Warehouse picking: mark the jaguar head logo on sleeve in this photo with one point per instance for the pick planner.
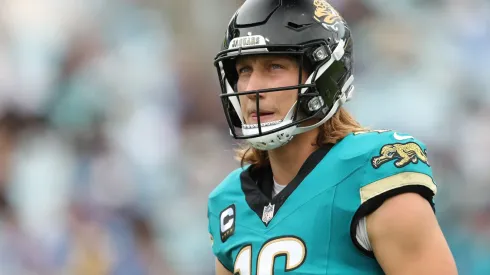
(403, 154)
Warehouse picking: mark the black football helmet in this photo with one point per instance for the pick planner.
(310, 30)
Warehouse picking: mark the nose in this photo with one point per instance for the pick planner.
(256, 82)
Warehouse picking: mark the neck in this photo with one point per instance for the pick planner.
(286, 161)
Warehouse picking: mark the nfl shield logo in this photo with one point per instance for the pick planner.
(268, 213)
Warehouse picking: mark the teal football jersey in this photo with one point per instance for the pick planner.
(310, 226)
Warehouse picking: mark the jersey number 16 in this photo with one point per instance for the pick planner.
(291, 247)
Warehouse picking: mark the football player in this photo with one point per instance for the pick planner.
(316, 192)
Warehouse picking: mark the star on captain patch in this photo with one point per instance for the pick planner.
(268, 213)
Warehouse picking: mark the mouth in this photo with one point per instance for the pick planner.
(265, 116)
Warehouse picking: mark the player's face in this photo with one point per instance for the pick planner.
(263, 72)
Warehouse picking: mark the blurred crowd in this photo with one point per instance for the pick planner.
(112, 134)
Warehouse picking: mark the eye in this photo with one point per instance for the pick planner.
(275, 66)
(244, 70)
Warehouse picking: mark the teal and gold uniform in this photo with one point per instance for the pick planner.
(310, 226)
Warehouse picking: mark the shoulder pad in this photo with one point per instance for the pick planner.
(395, 160)
(224, 191)
(359, 144)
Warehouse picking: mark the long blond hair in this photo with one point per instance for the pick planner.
(336, 128)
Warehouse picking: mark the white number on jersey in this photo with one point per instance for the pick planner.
(293, 248)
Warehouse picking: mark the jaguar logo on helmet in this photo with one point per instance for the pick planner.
(326, 14)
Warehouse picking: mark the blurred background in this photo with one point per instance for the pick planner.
(112, 134)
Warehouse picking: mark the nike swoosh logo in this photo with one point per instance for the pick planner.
(398, 137)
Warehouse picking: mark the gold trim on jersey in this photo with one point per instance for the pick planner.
(396, 181)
